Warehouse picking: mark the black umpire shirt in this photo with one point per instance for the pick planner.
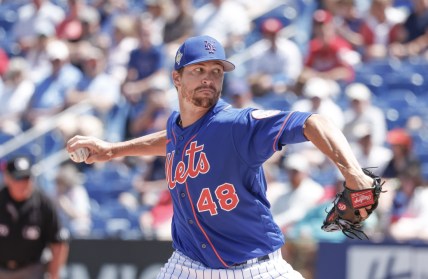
(26, 228)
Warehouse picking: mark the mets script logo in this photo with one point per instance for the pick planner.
(190, 166)
(210, 46)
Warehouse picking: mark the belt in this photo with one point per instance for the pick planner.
(255, 260)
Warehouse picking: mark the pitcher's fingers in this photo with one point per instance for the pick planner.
(96, 157)
(363, 213)
(90, 159)
(71, 143)
(79, 142)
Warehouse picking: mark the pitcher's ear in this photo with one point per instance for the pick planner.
(176, 78)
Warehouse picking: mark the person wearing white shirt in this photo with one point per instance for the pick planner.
(412, 221)
(317, 98)
(368, 154)
(276, 62)
(318, 93)
(73, 201)
(225, 20)
(33, 14)
(15, 95)
(302, 194)
(361, 110)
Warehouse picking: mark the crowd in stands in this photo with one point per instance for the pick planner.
(363, 64)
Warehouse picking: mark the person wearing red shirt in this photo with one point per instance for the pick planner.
(329, 55)
(4, 62)
(379, 30)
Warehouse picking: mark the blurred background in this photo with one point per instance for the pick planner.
(102, 68)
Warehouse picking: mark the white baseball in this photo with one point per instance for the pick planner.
(79, 155)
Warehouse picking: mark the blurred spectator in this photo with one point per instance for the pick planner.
(36, 56)
(122, 43)
(379, 30)
(95, 86)
(329, 56)
(85, 124)
(317, 98)
(90, 22)
(275, 63)
(301, 195)
(49, 95)
(145, 68)
(4, 62)
(180, 25)
(362, 111)
(415, 32)
(156, 223)
(409, 216)
(240, 94)
(303, 237)
(110, 10)
(72, 27)
(31, 16)
(73, 201)
(348, 22)
(225, 20)
(368, 154)
(155, 12)
(308, 228)
(148, 116)
(328, 6)
(15, 95)
(401, 144)
(150, 197)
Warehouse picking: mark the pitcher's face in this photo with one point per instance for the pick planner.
(200, 84)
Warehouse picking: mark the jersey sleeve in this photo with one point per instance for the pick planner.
(257, 134)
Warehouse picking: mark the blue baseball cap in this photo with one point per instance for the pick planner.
(200, 49)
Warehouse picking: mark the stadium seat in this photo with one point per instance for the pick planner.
(374, 82)
(408, 81)
(424, 169)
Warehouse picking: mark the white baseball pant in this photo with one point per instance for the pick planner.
(180, 266)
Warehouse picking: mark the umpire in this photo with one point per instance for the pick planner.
(29, 226)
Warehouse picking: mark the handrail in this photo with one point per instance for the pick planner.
(50, 162)
(41, 128)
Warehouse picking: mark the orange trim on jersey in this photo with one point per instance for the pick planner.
(175, 138)
(176, 190)
(194, 213)
(275, 142)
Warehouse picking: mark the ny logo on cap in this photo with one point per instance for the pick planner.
(210, 47)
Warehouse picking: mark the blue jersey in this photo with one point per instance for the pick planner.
(215, 176)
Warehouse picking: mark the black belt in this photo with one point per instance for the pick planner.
(258, 259)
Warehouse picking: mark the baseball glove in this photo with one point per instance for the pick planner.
(345, 214)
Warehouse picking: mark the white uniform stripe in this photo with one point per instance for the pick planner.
(180, 266)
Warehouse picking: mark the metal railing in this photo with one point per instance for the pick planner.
(42, 128)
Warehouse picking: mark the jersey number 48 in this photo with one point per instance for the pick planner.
(226, 198)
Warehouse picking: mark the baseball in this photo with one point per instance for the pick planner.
(79, 155)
